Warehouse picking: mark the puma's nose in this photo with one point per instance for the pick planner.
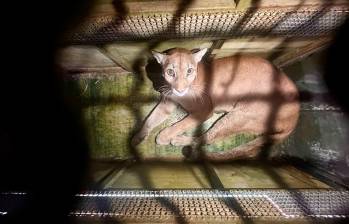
(180, 90)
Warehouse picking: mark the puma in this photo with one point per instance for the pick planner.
(254, 95)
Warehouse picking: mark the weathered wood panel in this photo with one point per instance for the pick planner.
(263, 47)
(238, 175)
(110, 108)
(299, 53)
(106, 7)
(122, 57)
(79, 57)
(245, 4)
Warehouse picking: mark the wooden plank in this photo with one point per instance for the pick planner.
(287, 50)
(266, 43)
(299, 53)
(128, 53)
(188, 44)
(84, 58)
(173, 5)
(245, 4)
(263, 47)
(252, 51)
(101, 171)
(123, 55)
(117, 58)
(254, 174)
(160, 175)
(106, 7)
(228, 54)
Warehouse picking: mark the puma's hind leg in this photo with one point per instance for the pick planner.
(248, 121)
(236, 123)
(243, 121)
(229, 124)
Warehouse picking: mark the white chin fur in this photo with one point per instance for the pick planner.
(180, 93)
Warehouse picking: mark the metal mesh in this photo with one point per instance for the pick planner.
(304, 22)
(214, 204)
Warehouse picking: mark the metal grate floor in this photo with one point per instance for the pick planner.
(217, 205)
(287, 22)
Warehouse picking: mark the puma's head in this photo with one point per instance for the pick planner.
(179, 68)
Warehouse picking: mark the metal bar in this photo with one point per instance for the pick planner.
(205, 205)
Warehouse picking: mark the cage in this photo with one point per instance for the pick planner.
(107, 71)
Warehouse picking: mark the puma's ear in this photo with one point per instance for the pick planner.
(159, 57)
(198, 55)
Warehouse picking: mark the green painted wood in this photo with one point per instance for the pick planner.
(110, 107)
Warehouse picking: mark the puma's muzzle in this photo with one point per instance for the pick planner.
(180, 93)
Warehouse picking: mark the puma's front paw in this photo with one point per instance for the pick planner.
(138, 138)
(164, 137)
(182, 140)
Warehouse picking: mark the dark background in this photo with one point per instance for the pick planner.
(38, 131)
(42, 148)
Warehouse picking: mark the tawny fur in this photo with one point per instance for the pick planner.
(256, 98)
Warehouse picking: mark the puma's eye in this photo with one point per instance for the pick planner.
(190, 72)
(170, 72)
